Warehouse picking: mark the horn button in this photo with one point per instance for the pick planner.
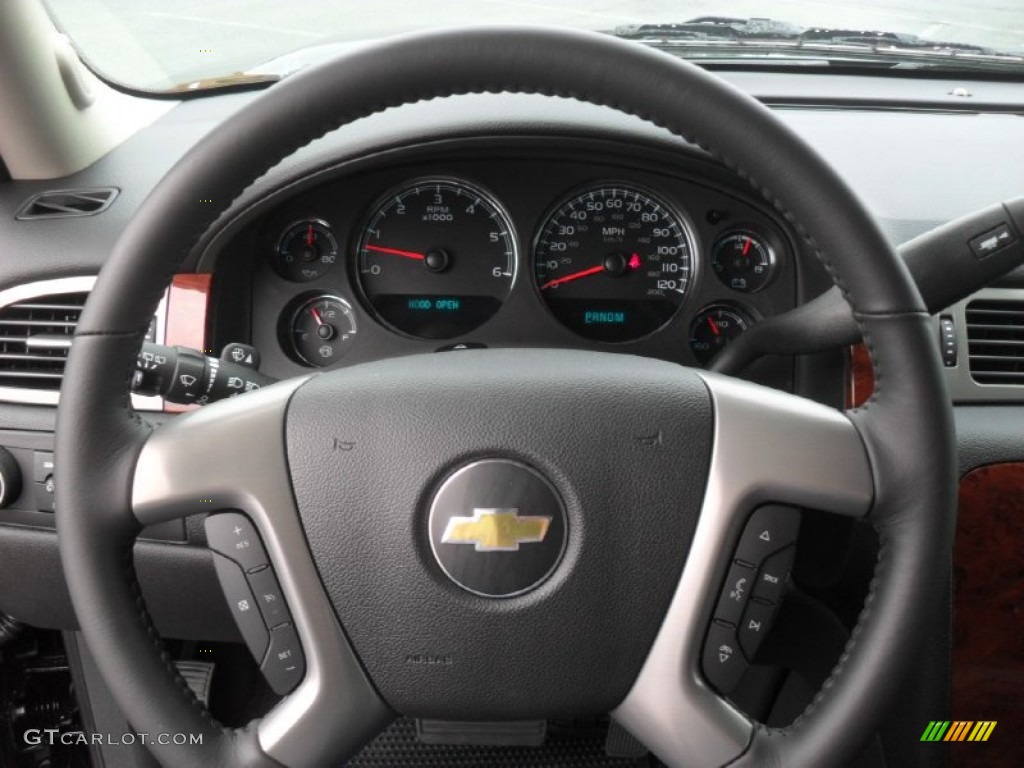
(501, 531)
(497, 528)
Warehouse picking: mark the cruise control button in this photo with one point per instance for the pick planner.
(738, 585)
(770, 529)
(754, 626)
(771, 579)
(243, 605)
(231, 534)
(284, 664)
(722, 661)
(269, 597)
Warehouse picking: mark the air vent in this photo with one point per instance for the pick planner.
(995, 336)
(64, 203)
(35, 336)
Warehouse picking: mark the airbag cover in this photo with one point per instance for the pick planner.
(625, 443)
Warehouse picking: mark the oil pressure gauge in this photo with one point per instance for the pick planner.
(319, 329)
(305, 251)
(743, 260)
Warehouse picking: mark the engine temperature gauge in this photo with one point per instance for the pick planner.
(743, 260)
(320, 330)
(714, 327)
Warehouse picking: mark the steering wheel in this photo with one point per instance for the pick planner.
(632, 477)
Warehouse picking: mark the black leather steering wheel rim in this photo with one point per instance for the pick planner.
(906, 426)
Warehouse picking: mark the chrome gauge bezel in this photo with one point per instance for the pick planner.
(760, 236)
(394, 193)
(677, 211)
(742, 310)
(328, 230)
(300, 304)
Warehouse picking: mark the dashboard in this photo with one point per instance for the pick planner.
(538, 243)
(358, 225)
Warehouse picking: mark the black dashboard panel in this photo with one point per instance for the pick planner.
(526, 178)
(916, 154)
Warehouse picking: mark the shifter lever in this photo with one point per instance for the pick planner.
(186, 376)
(948, 264)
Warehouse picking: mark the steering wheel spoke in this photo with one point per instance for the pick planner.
(232, 456)
(769, 448)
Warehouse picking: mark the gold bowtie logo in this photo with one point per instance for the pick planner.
(496, 530)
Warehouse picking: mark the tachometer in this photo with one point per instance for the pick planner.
(437, 258)
(614, 262)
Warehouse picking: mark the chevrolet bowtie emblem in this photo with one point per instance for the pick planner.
(496, 530)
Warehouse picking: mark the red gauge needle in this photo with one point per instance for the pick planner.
(746, 246)
(396, 252)
(714, 326)
(316, 316)
(573, 276)
(309, 236)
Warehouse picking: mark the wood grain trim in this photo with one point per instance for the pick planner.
(188, 304)
(860, 376)
(188, 301)
(988, 618)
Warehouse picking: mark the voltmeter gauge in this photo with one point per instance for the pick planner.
(305, 251)
(319, 330)
(714, 327)
(743, 260)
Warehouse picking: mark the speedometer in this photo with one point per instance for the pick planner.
(614, 262)
(437, 258)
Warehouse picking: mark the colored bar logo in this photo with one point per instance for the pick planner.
(958, 730)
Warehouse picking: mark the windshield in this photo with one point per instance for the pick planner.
(197, 44)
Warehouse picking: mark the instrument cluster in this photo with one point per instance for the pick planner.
(511, 253)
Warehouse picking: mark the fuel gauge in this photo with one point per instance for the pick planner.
(320, 330)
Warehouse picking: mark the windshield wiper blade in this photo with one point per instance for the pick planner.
(712, 28)
(887, 40)
(717, 35)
